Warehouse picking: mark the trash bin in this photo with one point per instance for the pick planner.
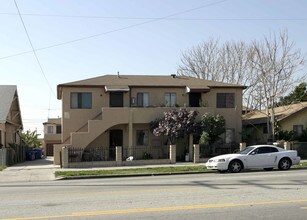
(187, 157)
(30, 155)
(38, 153)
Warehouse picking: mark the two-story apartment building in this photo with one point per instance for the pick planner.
(52, 135)
(115, 110)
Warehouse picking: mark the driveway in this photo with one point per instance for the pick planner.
(30, 171)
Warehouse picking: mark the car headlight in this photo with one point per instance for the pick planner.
(220, 160)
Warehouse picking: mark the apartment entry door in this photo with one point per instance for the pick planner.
(116, 99)
(194, 99)
(116, 139)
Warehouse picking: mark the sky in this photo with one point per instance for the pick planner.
(79, 39)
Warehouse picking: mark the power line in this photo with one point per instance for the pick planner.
(112, 31)
(152, 18)
(33, 50)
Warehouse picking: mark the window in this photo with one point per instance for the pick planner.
(170, 99)
(265, 150)
(141, 137)
(49, 129)
(225, 100)
(298, 129)
(81, 100)
(142, 99)
(58, 129)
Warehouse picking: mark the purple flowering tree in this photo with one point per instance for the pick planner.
(175, 124)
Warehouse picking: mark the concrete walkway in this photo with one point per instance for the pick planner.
(43, 170)
(30, 171)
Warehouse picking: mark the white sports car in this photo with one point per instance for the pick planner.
(265, 157)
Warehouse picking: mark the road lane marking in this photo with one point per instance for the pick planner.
(159, 209)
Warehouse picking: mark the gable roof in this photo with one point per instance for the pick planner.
(147, 81)
(55, 121)
(281, 113)
(8, 93)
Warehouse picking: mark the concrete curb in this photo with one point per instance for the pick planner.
(127, 175)
(158, 174)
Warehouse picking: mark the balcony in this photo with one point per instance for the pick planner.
(144, 115)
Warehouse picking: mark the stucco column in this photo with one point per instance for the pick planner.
(242, 146)
(190, 147)
(65, 157)
(130, 132)
(3, 157)
(119, 155)
(172, 153)
(287, 145)
(196, 153)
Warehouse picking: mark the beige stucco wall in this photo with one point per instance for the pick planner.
(77, 119)
(156, 95)
(296, 119)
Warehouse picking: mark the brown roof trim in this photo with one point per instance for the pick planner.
(224, 87)
(60, 86)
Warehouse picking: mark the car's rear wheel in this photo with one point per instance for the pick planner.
(284, 164)
(268, 169)
(235, 166)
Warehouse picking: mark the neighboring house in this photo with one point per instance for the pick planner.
(10, 123)
(115, 110)
(52, 135)
(291, 118)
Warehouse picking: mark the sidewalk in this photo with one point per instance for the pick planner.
(30, 171)
(43, 170)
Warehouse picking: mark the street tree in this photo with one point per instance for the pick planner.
(268, 67)
(276, 63)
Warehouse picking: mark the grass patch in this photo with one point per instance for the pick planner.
(301, 165)
(150, 170)
(2, 168)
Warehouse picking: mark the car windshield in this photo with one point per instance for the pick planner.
(246, 150)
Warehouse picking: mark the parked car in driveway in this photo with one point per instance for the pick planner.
(265, 157)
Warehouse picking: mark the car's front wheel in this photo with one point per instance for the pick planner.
(235, 166)
(284, 164)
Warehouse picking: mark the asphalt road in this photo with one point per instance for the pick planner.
(247, 195)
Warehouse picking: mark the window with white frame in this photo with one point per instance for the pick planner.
(50, 129)
(142, 99)
(170, 99)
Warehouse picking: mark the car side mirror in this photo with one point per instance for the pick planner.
(253, 153)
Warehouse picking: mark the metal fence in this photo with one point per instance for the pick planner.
(90, 154)
(301, 148)
(146, 152)
(206, 151)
